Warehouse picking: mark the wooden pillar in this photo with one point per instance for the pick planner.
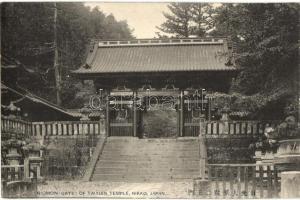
(178, 117)
(181, 113)
(134, 114)
(107, 124)
(26, 168)
(209, 108)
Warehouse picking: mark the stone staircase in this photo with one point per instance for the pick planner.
(131, 159)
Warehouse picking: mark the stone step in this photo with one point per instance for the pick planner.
(150, 141)
(149, 157)
(185, 162)
(141, 145)
(152, 150)
(145, 160)
(146, 146)
(149, 175)
(140, 178)
(137, 167)
(156, 140)
(153, 171)
(144, 170)
(149, 165)
(125, 160)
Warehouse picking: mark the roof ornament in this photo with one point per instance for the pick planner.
(87, 66)
(92, 45)
(170, 87)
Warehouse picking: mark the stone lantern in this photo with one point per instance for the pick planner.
(13, 157)
(33, 160)
(287, 158)
(14, 111)
(85, 111)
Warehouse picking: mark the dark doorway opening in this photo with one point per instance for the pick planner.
(160, 123)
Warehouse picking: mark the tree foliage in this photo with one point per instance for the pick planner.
(188, 19)
(265, 38)
(28, 33)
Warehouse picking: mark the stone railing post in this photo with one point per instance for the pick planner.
(202, 157)
(225, 119)
(201, 184)
(102, 125)
(26, 168)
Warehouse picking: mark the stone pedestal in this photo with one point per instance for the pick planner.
(287, 157)
(266, 158)
(35, 164)
(290, 184)
(201, 187)
(287, 160)
(33, 161)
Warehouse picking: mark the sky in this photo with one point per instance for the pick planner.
(142, 17)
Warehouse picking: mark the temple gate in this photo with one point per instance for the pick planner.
(157, 88)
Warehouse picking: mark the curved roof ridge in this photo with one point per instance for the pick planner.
(160, 41)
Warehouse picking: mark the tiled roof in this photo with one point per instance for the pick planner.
(40, 100)
(157, 56)
(10, 63)
(7, 62)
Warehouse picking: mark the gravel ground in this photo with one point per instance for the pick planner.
(115, 189)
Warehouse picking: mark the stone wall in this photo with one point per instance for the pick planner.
(67, 157)
(229, 150)
(290, 184)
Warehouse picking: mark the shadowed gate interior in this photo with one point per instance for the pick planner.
(160, 117)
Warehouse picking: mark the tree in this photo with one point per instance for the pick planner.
(178, 22)
(188, 19)
(27, 35)
(202, 18)
(266, 38)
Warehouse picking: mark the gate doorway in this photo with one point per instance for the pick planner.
(159, 116)
(160, 124)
